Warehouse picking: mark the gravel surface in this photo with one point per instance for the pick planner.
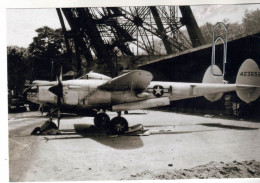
(212, 170)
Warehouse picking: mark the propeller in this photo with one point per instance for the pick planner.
(58, 91)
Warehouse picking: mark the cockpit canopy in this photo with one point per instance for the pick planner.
(94, 75)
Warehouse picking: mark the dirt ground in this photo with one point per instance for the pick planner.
(212, 170)
(179, 147)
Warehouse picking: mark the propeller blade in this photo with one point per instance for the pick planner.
(60, 76)
(58, 91)
(58, 121)
(58, 105)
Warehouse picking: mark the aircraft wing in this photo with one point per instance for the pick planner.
(133, 80)
(44, 83)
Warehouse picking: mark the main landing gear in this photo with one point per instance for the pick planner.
(102, 121)
(118, 125)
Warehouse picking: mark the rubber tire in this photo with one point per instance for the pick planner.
(102, 121)
(23, 109)
(34, 107)
(125, 112)
(118, 125)
(46, 109)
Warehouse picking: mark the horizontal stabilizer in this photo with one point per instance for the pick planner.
(246, 86)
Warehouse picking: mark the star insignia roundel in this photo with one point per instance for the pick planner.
(157, 90)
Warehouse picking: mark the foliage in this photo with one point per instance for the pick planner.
(249, 25)
(17, 68)
(35, 62)
(48, 41)
(47, 48)
(234, 30)
(251, 21)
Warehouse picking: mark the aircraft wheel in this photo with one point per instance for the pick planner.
(119, 125)
(45, 108)
(102, 121)
(126, 112)
(34, 107)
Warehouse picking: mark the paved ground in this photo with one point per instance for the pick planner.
(176, 141)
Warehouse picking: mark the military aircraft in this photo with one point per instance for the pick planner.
(136, 90)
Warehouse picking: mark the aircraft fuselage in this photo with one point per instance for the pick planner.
(86, 93)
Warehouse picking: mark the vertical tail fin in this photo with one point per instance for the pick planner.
(210, 78)
(248, 79)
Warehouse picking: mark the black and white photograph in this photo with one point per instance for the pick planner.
(155, 92)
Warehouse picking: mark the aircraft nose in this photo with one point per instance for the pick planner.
(25, 93)
(56, 89)
(30, 93)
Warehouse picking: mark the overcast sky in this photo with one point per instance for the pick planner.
(22, 23)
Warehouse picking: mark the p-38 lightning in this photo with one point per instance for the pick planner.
(136, 90)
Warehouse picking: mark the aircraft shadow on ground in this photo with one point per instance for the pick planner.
(152, 126)
(65, 116)
(219, 125)
(120, 142)
(136, 113)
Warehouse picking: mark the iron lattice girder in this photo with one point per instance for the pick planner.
(121, 35)
(112, 33)
(80, 20)
(161, 29)
(171, 25)
(81, 48)
(121, 25)
(109, 29)
(192, 26)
